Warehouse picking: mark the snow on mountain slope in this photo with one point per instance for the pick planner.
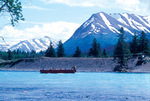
(102, 26)
(136, 22)
(4, 47)
(34, 44)
(105, 28)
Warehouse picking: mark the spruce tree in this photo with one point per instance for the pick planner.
(10, 55)
(99, 49)
(4, 55)
(121, 51)
(104, 53)
(60, 49)
(33, 54)
(77, 52)
(143, 44)
(134, 45)
(41, 53)
(90, 52)
(50, 52)
(95, 50)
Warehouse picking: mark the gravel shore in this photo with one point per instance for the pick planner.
(82, 64)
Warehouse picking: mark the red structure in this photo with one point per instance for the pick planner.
(73, 70)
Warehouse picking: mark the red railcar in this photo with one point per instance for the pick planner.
(73, 70)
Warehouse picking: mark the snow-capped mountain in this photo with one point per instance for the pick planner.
(34, 44)
(4, 47)
(104, 27)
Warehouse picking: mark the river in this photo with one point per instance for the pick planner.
(81, 86)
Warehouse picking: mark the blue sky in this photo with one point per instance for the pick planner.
(60, 18)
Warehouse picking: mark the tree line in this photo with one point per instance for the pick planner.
(17, 54)
(124, 51)
(94, 51)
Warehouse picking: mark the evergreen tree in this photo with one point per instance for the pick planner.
(95, 50)
(121, 51)
(27, 55)
(10, 55)
(104, 53)
(41, 53)
(99, 49)
(90, 52)
(77, 52)
(18, 51)
(50, 52)
(134, 45)
(143, 44)
(4, 55)
(60, 49)
(18, 54)
(33, 54)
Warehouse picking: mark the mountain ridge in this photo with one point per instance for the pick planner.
(102, 26)
(35, 44)
(105, 29)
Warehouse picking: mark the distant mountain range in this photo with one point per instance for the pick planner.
(102, 26)
(32, 44)
(4, 47)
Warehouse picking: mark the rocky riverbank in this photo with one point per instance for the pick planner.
(82, 64)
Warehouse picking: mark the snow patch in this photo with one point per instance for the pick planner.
(122, 21)
(27, 47)
(34, 44)
(108, 24)
(147, 18)
(101, 25)
(130, 20)
(88, 22)
(126, 29)
(93, 26)
(106, 21)
(104, 33)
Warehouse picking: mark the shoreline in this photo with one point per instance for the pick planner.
(100, 65)
(4, 70)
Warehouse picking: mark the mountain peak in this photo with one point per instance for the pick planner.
(105, 28)
(36, 44)
(102, 26)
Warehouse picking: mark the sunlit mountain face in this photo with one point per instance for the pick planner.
(105, 28)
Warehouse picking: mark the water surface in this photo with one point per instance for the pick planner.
(33, 86)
